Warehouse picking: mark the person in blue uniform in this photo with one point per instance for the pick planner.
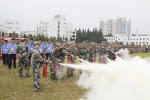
(49, 47)
(4, 51)
(31, 48)
(12, 47)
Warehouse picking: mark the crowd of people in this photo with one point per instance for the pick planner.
(48, 53)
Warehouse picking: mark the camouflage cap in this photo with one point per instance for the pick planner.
(58, 45)
(84, 42)
(93, 44)
(36, 43)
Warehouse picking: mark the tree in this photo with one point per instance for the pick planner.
(17, 35)
(93, 36)
(10, 34)
(25, 36)
(71, 39)
(3, 34)
(66, 39)
(63, 38)
(14, 34)
(109, 35)
(54, 39)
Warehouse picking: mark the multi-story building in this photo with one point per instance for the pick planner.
(121, 25)
(9, 26)
(136, 39)
(57, 27)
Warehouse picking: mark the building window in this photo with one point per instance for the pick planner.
(140, 42)
(16, 28)
(147, 42)
(143, 42)
(64, 19)
(143, 38)
(140, 38)
(9, 27)
(16, 23)
(147, 38)
(64, 23)
(9, 23)
(37, 27)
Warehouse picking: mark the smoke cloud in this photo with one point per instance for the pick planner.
(125, 78)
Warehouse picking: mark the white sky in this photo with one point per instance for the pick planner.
(82, 13)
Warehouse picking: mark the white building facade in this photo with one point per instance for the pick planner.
(9, 26)
(121, 25)
(138, 39)
(57, 27)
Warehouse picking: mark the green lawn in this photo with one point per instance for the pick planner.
(142, 55)
(14, 88)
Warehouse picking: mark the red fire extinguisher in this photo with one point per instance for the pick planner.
(93, 60)
(69, 62)
(44, 70)
(56, 66)
(101, 60)
(69, 59)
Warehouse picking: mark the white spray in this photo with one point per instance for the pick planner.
(123, 79)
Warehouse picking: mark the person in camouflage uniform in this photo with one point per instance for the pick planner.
(91, 53)
(23, 58)
(54, 60)
(60, 54)
(82, 53)
(71, 55)
(36, 64)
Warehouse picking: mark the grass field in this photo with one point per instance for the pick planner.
(14, 88)
(142, 55)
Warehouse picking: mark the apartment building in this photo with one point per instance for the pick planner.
(136, 39)
(9, 26)
(120, 25)
(57, 27)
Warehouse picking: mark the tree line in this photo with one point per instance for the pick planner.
(89, 36)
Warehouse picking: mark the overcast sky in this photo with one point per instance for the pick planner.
(82, 13)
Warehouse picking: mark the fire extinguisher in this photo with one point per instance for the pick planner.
(69, 60)
(56, 66)
(101, 60)
(93, 60)
(44, 70)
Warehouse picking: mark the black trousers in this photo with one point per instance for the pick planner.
(5, 59)
(30, 59)
(10, 58)
(146, 50)
(47, 55)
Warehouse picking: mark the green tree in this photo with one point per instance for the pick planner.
(3, 34)
(25, 36)
(10, 34)
(66, 39)
(71, 39)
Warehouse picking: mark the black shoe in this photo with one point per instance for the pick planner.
(38, 90)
